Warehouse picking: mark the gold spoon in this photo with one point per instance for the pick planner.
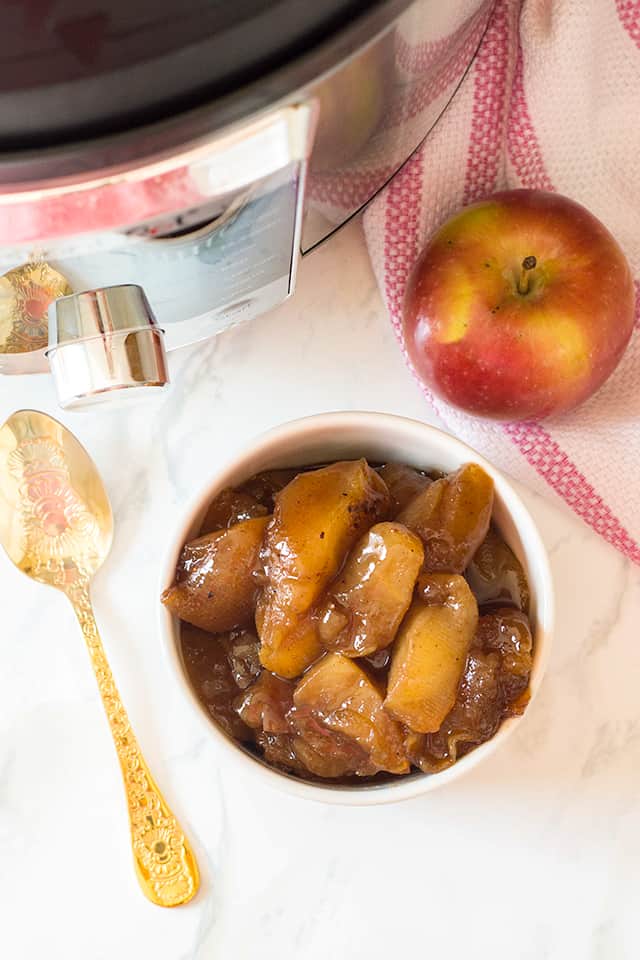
(56, 526)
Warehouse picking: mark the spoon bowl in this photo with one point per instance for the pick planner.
(56, 523)
(56, 526)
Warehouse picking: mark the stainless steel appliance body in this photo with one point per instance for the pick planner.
(207, 203)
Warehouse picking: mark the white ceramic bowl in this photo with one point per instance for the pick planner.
(378, 437)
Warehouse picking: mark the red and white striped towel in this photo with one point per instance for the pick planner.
(550, 102)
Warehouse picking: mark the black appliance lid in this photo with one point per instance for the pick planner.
(77, 69)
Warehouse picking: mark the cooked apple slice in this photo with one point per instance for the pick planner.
(329, 754)
(493, 686)
(288, 646)
(230, 507)
(264, 486)
(404, 483)
(508, 632)
(430, 652)
(475, 716)
(451, 516)
(215, 587)
(339, 695)
(317, 518)
(366, 603)
(265, 704)
(495, 574)
(278, 750)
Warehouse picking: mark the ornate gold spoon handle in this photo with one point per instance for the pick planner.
(164, 862)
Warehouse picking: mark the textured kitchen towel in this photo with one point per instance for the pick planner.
(551, 101)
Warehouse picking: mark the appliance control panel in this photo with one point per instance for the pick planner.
(228, 253)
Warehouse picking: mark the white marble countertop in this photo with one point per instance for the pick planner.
(534, 855)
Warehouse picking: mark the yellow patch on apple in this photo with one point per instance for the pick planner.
(461, 297)
(565, 344)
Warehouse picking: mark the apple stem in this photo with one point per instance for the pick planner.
(523, 280)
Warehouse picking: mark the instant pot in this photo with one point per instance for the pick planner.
(164, 165)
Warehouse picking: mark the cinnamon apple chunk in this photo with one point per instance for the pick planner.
(287, 645)
(365, 605)
(228, 508)
(317, 519)
(430, 652)
(339, 696)
(451, 516)
(495, 574)
(215, 587)
(264, 705)
(404, 483)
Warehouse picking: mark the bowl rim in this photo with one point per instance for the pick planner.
(370, 422)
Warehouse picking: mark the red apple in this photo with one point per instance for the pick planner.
(519, 307)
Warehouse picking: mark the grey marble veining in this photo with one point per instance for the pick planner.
(533, 856)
